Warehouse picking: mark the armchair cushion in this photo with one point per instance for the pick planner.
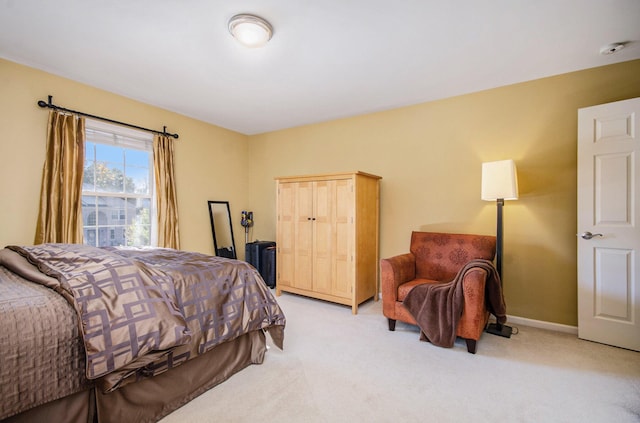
(405, 288)
(439, 256)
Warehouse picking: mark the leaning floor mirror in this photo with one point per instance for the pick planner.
(222, 229)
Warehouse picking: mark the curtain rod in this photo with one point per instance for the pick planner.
(50, 105)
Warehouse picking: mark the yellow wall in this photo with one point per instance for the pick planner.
(210, 161)
(430, 156)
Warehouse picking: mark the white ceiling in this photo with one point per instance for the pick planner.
(327, 59)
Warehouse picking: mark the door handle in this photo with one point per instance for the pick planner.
(589, 235)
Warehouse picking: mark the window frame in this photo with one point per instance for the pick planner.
(104, 133)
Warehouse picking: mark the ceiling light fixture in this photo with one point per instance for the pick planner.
(611, 48)
(250, 30)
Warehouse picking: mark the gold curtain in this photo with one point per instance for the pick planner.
(166, 197)
(60, 215)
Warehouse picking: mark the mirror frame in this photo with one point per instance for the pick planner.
(216, 208)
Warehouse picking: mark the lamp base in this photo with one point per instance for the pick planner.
(500, 330)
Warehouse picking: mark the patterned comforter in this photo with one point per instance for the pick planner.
(144, 311)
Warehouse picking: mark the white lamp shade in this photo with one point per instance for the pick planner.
(249, 30)
(499, 180)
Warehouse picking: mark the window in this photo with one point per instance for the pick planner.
(117, 187)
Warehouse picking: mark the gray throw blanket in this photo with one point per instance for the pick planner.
(437, 307)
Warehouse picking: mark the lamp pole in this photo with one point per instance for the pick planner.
(499, 204)
(497, 328)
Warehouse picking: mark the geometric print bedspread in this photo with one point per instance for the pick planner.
(146, 310)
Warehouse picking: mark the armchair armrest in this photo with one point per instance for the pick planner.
(475, 315)
(395, 271)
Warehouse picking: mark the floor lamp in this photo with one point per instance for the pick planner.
(499, 183)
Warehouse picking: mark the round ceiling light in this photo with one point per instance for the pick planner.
(250, 30)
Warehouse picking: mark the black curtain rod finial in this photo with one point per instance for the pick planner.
(44, 104)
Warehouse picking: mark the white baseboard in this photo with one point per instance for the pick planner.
(515, 320)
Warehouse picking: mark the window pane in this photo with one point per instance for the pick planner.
(88, 178)
(89, 211)
(109, 210)
(110, 153)
(103, 237)
(137, 158)
(139, 219)
(109, 177)
(138, 235)
(137, 181)
(90, 237)
(89, 150)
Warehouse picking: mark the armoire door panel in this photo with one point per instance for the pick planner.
(285, 233)
(343, 247)
(324, 215)
(303, 256)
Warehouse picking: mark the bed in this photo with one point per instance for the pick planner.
(123, 334)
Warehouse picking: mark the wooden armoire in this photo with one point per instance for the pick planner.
(327, 236)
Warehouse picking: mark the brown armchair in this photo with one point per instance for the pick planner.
(433, 258)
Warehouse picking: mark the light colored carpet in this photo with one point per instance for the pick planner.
(337, 367)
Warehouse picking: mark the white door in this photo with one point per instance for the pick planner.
(608, 220)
